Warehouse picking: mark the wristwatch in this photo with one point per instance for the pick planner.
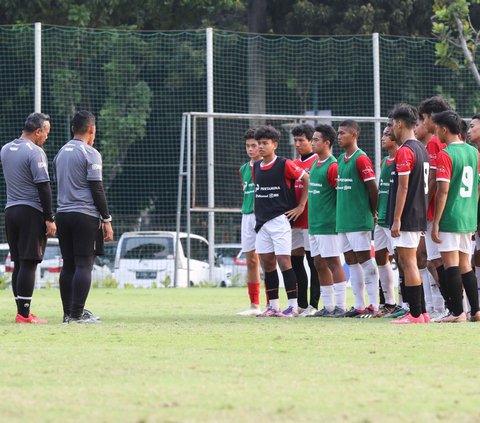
(50, 218)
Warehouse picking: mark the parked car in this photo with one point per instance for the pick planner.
(234, 260)
(147, 258)
(108, 258)
(4, 249)
(48, 271)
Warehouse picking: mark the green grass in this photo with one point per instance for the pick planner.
(170, 355)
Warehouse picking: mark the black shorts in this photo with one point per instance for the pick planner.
(25, 229)
(79, 235)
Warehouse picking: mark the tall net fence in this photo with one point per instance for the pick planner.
(139, 84)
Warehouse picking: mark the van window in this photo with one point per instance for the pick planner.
(198, 249)
(146, 248)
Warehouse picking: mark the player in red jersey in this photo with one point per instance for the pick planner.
(302, 136)
(473, 137)
(426, 109)
(434, 300)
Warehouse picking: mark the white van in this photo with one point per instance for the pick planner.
(147, 259)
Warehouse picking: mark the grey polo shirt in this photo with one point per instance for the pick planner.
(24, 165)
(75, 165)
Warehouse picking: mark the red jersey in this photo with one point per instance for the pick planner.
(302, 221)
(434, 146)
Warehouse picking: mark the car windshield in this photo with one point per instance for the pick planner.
(3, 255)
(227, 254)
(52, 252)
(143, 248)
(198, 249)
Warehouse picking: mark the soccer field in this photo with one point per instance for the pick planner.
(169, 355)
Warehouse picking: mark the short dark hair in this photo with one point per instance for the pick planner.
(477, 116)
(350, 123)
(267, 132)
(328, 133)
(303, 129)
(249, 134)
(464, 131)
(405, 112)
(450, 120)
(82, 121)
(435, 104)
(35, 121)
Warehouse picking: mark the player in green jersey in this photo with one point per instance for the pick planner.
(324, 242)
(455, 217)
(357, 197)
(248, 225)
(383, 239)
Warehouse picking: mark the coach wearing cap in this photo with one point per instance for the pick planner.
(82, 214)
(28, 213)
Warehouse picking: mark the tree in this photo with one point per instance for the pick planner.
(458, 39)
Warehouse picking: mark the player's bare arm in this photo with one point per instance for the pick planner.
(372, 197)
(297, 211)
(432, 183)
(400, 204)
(440, 201)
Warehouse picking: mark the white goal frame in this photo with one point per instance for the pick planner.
(188, 142)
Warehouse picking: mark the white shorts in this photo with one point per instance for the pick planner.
(383, 239)
(455, 241)
(275, 236)
(356, 241)
(325, 245)
(432, 247)
(407, 239)
(300, 239)
(248, 232)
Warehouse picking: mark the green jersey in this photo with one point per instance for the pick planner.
(388, 166)
(458, 164)
(248, 188)
(353, 204)
(322, 197)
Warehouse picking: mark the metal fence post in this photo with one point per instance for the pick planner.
(211, 158)
(376, 101)
(38, 68)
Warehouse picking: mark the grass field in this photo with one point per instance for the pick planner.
(170, 355)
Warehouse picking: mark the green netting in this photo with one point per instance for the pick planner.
(138, 84)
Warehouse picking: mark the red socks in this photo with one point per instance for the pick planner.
(254, 292)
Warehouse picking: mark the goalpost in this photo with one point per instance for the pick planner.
(212, 149)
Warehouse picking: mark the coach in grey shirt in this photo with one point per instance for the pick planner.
(28, 212)
(83, 219)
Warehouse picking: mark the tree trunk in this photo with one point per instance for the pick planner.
(466, 52)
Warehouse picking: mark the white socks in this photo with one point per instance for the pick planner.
(275, 304)
(326, 293)
(293, 303)
(358, 284)
(340, 290)
(427, 288)
(371, 282)
(388, 283)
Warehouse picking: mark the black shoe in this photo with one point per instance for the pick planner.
(323, 313)
(337, 312)
(90, 315)
(353, 312)
(83, 319)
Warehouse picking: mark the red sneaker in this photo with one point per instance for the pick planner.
(30, 319)
(426, 317)
(408, 318)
